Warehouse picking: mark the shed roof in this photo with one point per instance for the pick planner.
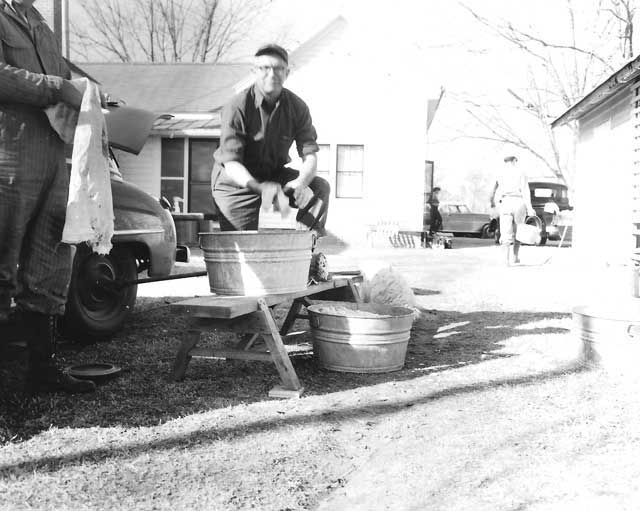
(170, 87)
(616, 82)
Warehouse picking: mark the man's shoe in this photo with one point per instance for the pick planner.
(52, 379)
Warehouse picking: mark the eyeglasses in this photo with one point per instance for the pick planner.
(276, 69)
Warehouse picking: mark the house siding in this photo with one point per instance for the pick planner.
(348, 110)
(604, 183)
(635, 192)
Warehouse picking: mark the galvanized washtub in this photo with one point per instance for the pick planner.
(610, 335)
(255, 263)
(360, 338)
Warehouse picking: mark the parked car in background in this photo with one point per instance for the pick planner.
(459, 220)
(548, 199)
(103, 291)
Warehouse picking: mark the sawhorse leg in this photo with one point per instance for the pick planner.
(290, 383)
(294, 310)
(183, 357)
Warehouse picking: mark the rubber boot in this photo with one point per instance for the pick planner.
(10, 328)
(42, 374)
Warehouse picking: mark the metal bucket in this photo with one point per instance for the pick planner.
(255, 263)
(528, 234)
(360, 338)
(610, 335)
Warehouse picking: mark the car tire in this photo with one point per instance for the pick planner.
(94, 310)
(486, 232)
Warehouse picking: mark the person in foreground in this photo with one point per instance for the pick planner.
(258, 127)
(514, 204)
(35, 266)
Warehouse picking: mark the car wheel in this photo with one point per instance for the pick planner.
(486, 232)
(96, 307)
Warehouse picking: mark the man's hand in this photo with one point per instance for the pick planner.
(302, 194)
(71, 92)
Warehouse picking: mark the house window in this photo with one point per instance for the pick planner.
(349, 171)
(172, 172)
(188, 190)
(200, 165)
(324, 162)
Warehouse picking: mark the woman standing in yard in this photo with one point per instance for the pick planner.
(514, 204)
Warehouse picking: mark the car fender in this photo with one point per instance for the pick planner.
(140, 219)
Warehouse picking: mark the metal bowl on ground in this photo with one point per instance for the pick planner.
(360, 338)
(255, 263)
(97, 372)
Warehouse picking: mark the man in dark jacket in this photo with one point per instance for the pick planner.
(258, 127)
(35, 267)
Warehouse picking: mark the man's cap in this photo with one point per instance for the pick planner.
(509, 159)
(273, 49)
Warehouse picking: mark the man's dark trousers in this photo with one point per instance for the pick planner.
(239, 208)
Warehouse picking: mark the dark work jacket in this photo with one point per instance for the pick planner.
(31, 72)
(259, 140)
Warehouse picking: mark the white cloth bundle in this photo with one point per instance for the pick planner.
(90, 204)
(273, 197)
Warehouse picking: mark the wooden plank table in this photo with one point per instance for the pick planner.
(254, 316)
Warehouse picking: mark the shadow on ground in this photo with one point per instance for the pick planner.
(144, 395)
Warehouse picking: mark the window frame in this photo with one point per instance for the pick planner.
(186, 163)
(338, 193)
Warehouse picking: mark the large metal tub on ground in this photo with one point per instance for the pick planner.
(610, 335)
(360, 338)
(257, 263)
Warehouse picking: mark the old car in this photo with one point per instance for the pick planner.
(548, 199)
(459, 220)
(103, 288)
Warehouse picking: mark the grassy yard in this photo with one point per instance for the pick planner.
(491, 411)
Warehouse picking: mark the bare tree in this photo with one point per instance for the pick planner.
(164, 30)
(623, 13)
(562, 68)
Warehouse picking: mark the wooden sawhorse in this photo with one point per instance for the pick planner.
(250, 315)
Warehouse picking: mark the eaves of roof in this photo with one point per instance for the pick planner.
(616, 82)
(177, 124)
(189, 125)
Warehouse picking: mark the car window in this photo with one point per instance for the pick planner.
(463, 208)
(543, 193)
